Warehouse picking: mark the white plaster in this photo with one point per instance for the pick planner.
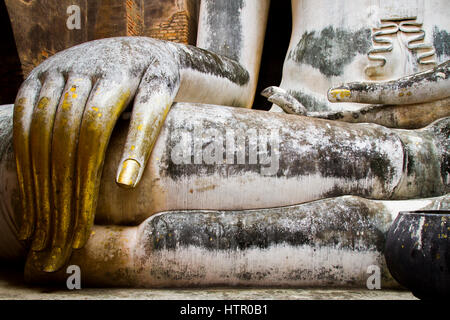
(282, 264)
(198, 87)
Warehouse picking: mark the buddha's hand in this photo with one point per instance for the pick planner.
(64, 115)
(413, 101)
(422, 87)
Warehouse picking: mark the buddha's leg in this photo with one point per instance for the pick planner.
(326, 243)
(299, 159)
(310, 159)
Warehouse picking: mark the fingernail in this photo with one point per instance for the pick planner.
(128, 173)
(339, 94)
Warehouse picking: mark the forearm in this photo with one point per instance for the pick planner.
(208, 77)
(235, 29)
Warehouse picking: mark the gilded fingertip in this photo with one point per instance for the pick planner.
(128, 174)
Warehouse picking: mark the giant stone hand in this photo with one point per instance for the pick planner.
(65, 112)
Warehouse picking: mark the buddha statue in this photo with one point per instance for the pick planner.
(194, 190)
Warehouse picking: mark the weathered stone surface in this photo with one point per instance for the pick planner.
(312, 161)
(326, 243)
(360, 41)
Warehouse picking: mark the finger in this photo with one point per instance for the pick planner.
(35, 262)
(104, 107)
(146, 121)
(422, 87)
(63, 157)
(288, 103)
(23, 111)
(153, 101)
(40, 137)
(411, 116)
(269, 91)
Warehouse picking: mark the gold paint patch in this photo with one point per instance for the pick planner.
(340, 94)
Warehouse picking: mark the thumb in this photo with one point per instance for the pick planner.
(152, 103)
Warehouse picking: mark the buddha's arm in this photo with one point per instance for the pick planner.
(409, 102)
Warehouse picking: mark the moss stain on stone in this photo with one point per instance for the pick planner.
(331, 49)
(441, 42)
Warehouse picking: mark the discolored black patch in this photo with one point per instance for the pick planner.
(309, 102)
(177, 171)
(343, 223)
(6, 130)
(441, 131)
(225, 21)
(331, 49)
(329, 153)
(210, 63)
(439, 73)
(425, 164)
(441, 42)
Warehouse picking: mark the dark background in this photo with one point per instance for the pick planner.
(10, 69)
(276, 43)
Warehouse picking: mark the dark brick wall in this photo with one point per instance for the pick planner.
(10, 70)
